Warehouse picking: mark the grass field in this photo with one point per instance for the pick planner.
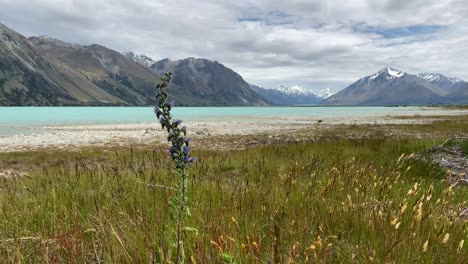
(335, 200)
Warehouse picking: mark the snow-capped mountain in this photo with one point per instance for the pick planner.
(288, 95)
(325, 93)
(139, 58)
(293, 90)
(299, 90)
(387, 74)
(388, 87)
(438, 77)
(447, 83)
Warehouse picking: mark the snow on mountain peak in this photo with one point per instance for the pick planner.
(435, 77)
(388, 73)
(293, 90)
(299, 90)
(139, 58)
(325, 93)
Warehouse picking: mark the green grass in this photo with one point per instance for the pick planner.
(464, 146)
(329, 202)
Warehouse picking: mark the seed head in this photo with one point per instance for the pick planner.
(460, 245)
(426, 244)
(446, 238)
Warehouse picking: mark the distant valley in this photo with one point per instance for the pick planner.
(43, 71)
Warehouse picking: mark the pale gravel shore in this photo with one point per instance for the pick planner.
(69, 137)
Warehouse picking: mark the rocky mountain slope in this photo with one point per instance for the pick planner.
(209, 82)
(389, 87)
(124, 79)
(459, 96)
(30, 76)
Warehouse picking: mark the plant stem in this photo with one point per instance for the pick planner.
(180, 220)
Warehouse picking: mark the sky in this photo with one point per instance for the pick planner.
(315, 44)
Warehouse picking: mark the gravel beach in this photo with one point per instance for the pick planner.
(61, 137)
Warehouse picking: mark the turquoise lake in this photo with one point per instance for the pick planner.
(23, 120)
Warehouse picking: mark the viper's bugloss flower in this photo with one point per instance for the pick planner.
(177, 122)
(179, 149)
(171, 103)
(172, 150)
(186, 150)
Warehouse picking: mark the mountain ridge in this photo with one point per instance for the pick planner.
(388, 87)
(449, 84)
(292, 95)
(47, 71)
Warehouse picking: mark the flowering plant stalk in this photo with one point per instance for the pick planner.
(179, 151)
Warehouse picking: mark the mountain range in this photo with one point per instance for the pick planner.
(394, 87)
(45, 71)
(293, 95)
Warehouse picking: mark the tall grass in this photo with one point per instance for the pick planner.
(336, 201)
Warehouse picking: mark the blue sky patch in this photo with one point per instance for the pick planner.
(404, 31)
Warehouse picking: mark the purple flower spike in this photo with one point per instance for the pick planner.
(171, 150)
(186, 150)
(180, 144)
(177, 122)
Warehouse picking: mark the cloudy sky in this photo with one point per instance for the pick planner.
(316, 44)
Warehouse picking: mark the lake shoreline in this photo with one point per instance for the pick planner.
(117, 135)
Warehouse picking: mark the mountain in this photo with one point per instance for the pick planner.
(125, 80)
(293, 90)
(459, 96)
(388, 87)
(287, 96)
(298, 90)
(325, 93)
(47, 71)
(139, 58)
(447, 83)
(29, 76)
(292, 95)
(209, 83)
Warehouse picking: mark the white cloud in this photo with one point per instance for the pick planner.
(312, 43)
